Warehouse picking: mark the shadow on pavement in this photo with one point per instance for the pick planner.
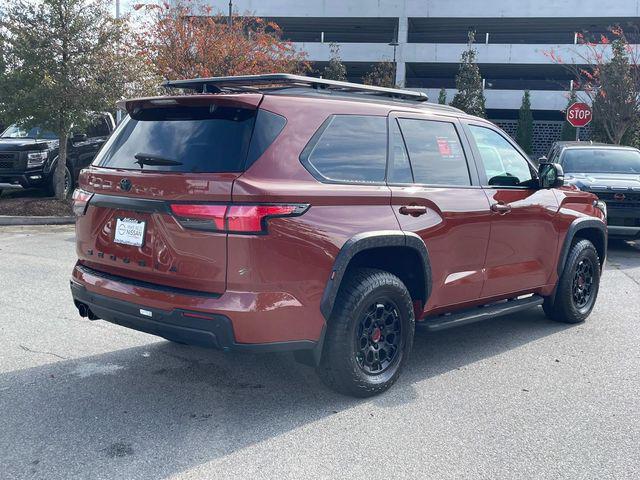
(623, 254)
(159, 409)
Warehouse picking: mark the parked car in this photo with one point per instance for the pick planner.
(29, 155)
(612, 172)
(280, 212)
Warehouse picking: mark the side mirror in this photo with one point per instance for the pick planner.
(542, 160)
(79, 137)
(550, 175)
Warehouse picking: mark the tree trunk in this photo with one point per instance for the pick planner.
(619, 133)
(58, 176)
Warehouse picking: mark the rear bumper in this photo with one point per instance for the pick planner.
(203, 320)
(192, 328)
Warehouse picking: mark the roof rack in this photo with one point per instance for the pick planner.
(253, 83)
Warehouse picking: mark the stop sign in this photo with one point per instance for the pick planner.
(579, 114)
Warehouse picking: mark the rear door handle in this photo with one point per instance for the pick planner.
(501, 208)
(413, 210)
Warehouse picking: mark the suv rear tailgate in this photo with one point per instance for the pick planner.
(170, 150)
(169, 254)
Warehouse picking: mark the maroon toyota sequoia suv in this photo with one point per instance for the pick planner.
(279, 212)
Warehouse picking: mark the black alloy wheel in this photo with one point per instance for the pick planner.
(369, 335)
(582, 283)
(378, 337)
(577, 289)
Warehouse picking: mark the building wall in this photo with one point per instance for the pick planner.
(432, 8)
(513, 41)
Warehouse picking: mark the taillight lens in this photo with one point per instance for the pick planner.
(235, 218)
(202, 217)
(253, 218)
(80, 201)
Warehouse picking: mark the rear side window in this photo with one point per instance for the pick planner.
(348, 148)
(268, 127)
(435, 152)
(182, 139)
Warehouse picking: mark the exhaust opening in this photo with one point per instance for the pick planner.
(85, 311)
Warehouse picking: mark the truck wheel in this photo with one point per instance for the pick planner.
(369, 335)
(577, 287)
(68, 183)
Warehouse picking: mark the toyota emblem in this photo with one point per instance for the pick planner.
(125, 184)
(619, 196)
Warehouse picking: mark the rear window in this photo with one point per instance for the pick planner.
(182, 139)
(348, 148)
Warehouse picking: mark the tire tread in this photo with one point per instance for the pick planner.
(560, 307)
(333, 370)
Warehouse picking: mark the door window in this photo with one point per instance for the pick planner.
(503, 164)
(98, 128)
(435, 152)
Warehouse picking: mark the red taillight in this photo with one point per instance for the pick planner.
(252, 218)
(80, 201)
(233, 218)
(202, 216)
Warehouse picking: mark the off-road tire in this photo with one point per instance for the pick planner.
(563, 307)
(50, 186)
(362, 290)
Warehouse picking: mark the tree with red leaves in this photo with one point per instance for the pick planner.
(188, 39)
(611, 82)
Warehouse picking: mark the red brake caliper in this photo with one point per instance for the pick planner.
(376, 335)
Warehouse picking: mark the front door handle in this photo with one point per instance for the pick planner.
(413, 210)
(501, 208)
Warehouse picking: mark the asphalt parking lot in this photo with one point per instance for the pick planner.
(513, 397)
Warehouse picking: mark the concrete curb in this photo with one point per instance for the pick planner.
(11, 220)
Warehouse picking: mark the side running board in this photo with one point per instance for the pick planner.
(476, 314)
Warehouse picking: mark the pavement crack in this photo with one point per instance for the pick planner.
(30, 350)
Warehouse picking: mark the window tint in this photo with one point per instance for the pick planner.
(98, 128)
(268, 127)
(195, 139)
(351, 148)
(399, 168)
(435, 152)
(553, 155)
(503, 164)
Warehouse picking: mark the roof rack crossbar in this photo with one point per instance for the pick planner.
(252, 82)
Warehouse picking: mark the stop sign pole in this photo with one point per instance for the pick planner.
(579, 115)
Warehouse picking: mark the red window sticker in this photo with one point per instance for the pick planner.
(443, 147)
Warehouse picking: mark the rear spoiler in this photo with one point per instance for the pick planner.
(244, 100)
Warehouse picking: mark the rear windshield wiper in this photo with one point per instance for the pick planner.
(143, 159)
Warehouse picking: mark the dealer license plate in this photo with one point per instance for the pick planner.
(129, 231)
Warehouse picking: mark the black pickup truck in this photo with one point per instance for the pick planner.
(28, 156)
(612, 172)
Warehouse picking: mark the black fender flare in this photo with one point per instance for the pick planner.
(368, 240)
(51, 166)
(577, 225)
